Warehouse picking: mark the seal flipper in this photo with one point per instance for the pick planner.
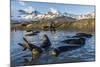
(25, 40)
(24, 49)
(26, 60)
(20, 44)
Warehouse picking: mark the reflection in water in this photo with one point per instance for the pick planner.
(19, 57)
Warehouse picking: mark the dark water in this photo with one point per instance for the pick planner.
(18, 57)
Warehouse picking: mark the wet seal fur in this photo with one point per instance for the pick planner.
(36, 51)
(57, 51)
(46, 42)
(77, 41)
(81, 35)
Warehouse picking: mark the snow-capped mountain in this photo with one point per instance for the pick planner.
(82, 16)
(53, 12)
(35, 15)
(87, 16)
(27, 10)
(70, 15)
(31, 14)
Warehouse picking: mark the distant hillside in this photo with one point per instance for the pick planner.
(81, 25)
(84, 24)
(64, 19)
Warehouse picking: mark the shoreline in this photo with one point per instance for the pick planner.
(81, 25)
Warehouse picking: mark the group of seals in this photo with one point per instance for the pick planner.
(75, 43)
(36, 50)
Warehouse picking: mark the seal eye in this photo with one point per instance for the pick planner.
(35, 53)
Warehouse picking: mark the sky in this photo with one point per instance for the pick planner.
(45, 7)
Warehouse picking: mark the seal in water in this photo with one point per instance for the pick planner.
(76, 41)
(36, 51)
(85, 35)
(57, 51)
(46, 42)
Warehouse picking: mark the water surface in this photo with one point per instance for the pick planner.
(19, 57)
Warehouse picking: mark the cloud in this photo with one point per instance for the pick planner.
(22, 3)
(29, 9)
(55, 11)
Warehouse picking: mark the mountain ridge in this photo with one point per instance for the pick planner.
(52, 14)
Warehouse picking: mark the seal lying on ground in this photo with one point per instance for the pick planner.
(36, 51)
